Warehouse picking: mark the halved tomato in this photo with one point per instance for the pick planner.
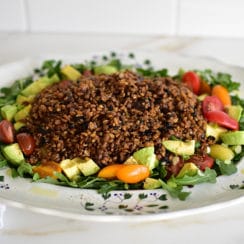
(223, 119)
(192, 80)
(212, 103)
(202, 162)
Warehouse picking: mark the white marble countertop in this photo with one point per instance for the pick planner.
(20, 226)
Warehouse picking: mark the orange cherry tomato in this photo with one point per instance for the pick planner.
(204, 88)
(47, 169)
(133, 173)
(110, 171)
(222, 93)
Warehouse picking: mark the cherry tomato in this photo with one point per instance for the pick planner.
(223, 119)
(6, 132)
(26, 143)
(202, 162)
(87, 72)
(212, 103)
(222, 93)
(174, 169)
(133, 173)
(110, 171)
(47, 169)
(192, 80)
(204, 88)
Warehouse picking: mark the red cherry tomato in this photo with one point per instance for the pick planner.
(26, 143)
(223, 119)
(174, 169)
(212, 103)
(192, 80)
(202, 162)
(87, 72)
(6, 132)
(204, 88)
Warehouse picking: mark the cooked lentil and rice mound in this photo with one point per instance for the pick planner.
(108, 117)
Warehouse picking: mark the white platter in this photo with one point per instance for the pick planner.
(121, 205)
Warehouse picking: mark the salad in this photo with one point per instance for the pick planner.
(178, 130)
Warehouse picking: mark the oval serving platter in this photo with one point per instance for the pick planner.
(130, 206)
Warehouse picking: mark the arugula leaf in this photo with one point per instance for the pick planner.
(150, 72)
(209, 175)
(51, 67)
(9, 94)
(25, 169)
(219, 78)
(3, 161)
(238, 156)
(175, 192)
(14, 173)
(80, 67)
(226, 169)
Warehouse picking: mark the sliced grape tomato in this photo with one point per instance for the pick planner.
(212, 103)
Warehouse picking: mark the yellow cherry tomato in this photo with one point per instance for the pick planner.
(223, 94)
(133, 173)
(110, 171)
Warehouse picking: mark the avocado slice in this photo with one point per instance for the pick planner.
(105, 69)
(23, 113)
(202, 97)
(13, 153)
(146, 156)
(214, 130)
(23, 99)
(221, 152)
(87, 166)
(70, 73)
(235, 111)
(233, 138)
(8, 111)
(18, 125)
(131, 160)
(180, 147)
(151, 183)
(188, 169)
(38, 85)
(70, 168)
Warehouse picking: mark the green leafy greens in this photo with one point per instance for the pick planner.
(219, 78)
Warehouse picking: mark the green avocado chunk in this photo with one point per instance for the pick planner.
(86, 166)
(23, 113)
(18, 125)
(214, 130)
(146, 156)
(8, 112)
(38, 85)
(180, 147)
(23, 99)
(151, 183)
(233, 138)
(188, 169)
(13, 153)
(235, 111)
(221, 152)
(105, 69)
(70, 73)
